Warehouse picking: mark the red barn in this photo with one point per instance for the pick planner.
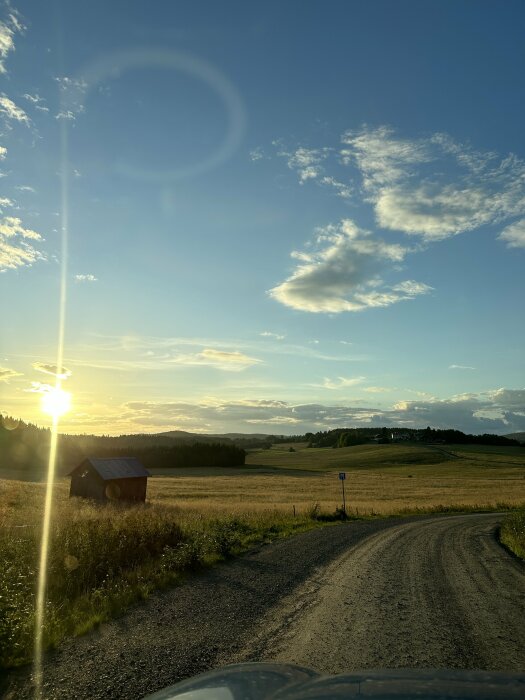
(123, 479)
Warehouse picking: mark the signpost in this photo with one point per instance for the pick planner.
(342, 477)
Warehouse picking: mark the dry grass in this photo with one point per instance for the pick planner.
(381, 479)
(105, 557)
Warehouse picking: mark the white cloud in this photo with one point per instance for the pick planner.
(433, 211)
(256, 154)
(9, 27)
(37, 101)
(342, 382)
(86, 278)
(275, 420)
(269, 334)
(343, 273)
(341, 189)
(514, 235)
(12, 226)
(72, 94)
(306, 162)
(7, 374)
(66, 114)
(47, 368)
(380, 157)
(12, 112)
(433, 187)
(6, 202)
(500, 411)
(15, 251)
(461, 367)
(220, 359)
(3, 152)
(25, 188)
(39, 388)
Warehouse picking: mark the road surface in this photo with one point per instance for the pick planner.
(435, 594)
(429, 592)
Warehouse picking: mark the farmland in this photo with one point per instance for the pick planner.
(105, 557)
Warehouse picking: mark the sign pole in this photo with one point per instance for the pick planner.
(342, 477)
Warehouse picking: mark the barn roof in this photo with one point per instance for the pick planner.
(121, 468)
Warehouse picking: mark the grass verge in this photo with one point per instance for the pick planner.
(512, 533)
(105, 558)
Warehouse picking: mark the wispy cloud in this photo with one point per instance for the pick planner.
(514, 235)
(342, 382)
(461, 367)
(11, 112)
(220, 359)
(256, 154)
(9, 27)
(6, 374)
(37, 101)
(306, 162)
(86, 278)
(15, 251)
(343, 274)
(47, 368)
(72, 94)
(25, 188)
(269, 334)
(433, 187)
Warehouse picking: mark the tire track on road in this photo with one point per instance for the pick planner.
(440, 593)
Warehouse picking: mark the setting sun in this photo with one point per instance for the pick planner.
(56, 402)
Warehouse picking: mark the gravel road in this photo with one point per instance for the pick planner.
(434, 592)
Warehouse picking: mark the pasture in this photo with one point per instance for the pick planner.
(381, 480)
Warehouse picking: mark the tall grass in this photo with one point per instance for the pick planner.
(103, 558)
(512, 533)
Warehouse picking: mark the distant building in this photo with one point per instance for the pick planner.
(122, 479)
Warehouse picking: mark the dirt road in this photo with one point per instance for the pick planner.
(434, 592)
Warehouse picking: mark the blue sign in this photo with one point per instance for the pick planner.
(342, 476)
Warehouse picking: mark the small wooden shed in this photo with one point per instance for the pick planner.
(122, 479)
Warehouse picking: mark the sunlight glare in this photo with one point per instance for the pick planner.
(56, 402)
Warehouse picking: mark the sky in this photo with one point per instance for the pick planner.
(269, 217)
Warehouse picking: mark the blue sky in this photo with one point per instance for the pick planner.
(280, 216)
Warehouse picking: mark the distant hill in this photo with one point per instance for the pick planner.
(520, 437)
(184, 436)
(246, 436)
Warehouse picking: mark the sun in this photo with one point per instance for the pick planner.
(56, 402)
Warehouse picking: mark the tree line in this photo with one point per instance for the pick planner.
(24, 448)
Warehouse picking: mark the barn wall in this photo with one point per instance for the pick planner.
(89, 486)
(132, 489)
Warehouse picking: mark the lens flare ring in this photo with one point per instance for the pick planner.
(114, 65)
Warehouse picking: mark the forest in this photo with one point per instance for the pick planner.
(24, 449)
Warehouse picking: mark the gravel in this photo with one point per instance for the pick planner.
(305, 599)
(436, 594)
